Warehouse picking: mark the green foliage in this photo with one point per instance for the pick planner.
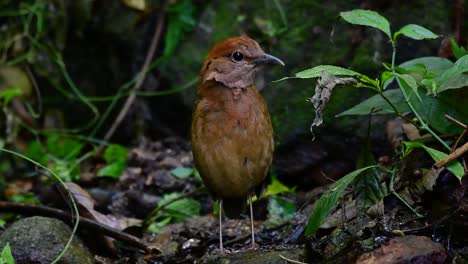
(423, 85)
(454, 166)
(317, 71)
(367, 18)
(368, 186)
(8, 94)
(415, 32)
(182, 172)
(116, 159)
(59, 153)
(183, 209)
(276, 187)
(28, 197)
(330, 199)
(63, 148)
(181, 21)
(173, 210)
(6, 257)
(457, 50)
(280, 211)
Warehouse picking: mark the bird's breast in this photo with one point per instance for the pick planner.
(232, 141)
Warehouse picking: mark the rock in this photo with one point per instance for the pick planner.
(262, 256)
(407, 249)
(41, 239)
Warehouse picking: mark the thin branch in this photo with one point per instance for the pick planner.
(31, 209)
(291, 260)
(140, 80)
(456, 121)
(454, 155)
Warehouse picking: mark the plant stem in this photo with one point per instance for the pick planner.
(424, 125)
(392, 191)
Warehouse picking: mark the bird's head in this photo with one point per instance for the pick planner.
(234, 61)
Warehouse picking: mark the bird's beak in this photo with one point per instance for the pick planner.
(267, 58)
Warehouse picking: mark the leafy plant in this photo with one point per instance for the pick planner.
(116, 159)
(426, 88)
(182, 172)
(8, 94)
(329, 200)
(457, 50)
(172, 209)
(6, 257)
(280, 211)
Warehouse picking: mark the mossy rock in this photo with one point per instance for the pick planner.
(41, 239)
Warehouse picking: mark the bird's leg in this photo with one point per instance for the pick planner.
(220, 212)
(251, 221)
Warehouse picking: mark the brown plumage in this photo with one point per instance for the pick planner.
(232, 136)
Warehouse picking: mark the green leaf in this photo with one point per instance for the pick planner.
(66, 170)
(368, 186)
(63, 148)
(410, 82)
(415, 32)
(367, 18)
(378, 105)
(6, 256)
(454, 166)
(27, 197)
(434, 65)
(182, 173)
(455, 82)
(113, 170)
(457, 50)
(158, 225)
(315, 72)
(115, 153)
(181, 21)
(276, 187)
(37, 152)
(386, 77)
(329, 200)
(8, 94)
(183, 209)
(280, 211)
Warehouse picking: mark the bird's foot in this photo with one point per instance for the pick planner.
(253, 246)
(222, 251)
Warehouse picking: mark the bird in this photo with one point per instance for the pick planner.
(231, 133)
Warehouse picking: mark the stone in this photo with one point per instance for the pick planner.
(407, 249)
(41, 239)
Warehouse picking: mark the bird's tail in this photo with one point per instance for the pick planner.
(233, 207)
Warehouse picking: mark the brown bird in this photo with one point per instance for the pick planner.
(232, 136)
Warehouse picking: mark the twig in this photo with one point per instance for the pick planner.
(31, 209)
(457, 153)
(456, 121)
(465, 130)
(436, 222)
(392, 191)
(290, 260)
(139, 83)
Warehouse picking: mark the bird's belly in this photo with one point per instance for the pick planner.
(233, 152)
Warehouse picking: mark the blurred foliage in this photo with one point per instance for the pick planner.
(280, 211)
(173, 210)
(6, 257)
(116, 159)
(182, 173)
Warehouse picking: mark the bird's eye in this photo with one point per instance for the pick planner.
(237, 56)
